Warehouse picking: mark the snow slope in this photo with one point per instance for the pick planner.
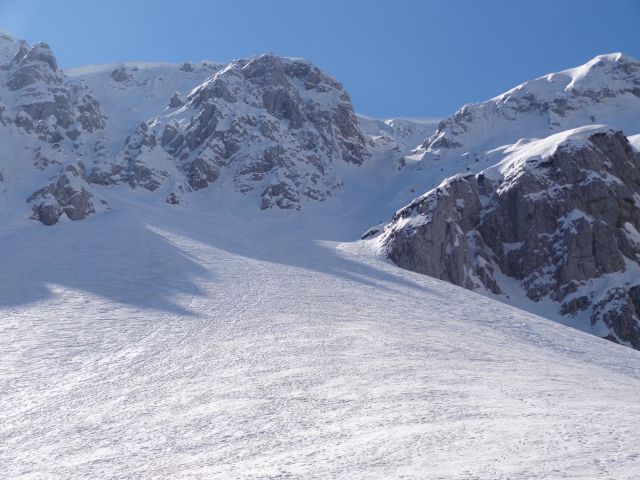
(212, 340)
(406, 133)
(212, 343)
(140, 91)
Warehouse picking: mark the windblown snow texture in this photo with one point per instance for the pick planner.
(196, 306)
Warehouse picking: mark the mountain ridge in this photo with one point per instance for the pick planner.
(153, 336)
(273, 131)
(491, 145)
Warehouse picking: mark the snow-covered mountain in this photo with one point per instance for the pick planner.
(268, 124)
(548, 223)
(606, 90)
(272, 126)
(280, 133)
(180, 330)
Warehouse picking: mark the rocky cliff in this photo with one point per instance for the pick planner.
(557, 218)
(45, 123)
(269, 125)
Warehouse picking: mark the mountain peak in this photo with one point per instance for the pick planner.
(617, 57)
(39, 52)
(605, 90)
(9, 45)
(603, 72)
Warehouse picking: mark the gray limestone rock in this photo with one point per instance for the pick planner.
(69, 193)
(130, 166)
(45, 102)
(556, 226)
(121, 74)
(271, 124)
(176, 100)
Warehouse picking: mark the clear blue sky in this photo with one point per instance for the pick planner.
(396, 58)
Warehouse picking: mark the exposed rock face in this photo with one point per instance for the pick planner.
(176, 100)
(272, 125)
(44, 121)
(559, 216)
(43, 101)
(130, 167)
(69, 194)
(121, 74)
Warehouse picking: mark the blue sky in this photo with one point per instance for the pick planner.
(396, 58)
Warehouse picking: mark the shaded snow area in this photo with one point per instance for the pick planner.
(198, 343)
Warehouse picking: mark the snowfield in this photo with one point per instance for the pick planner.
(214, 341)
(176, 331)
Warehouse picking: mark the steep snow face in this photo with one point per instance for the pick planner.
(605, 90)
(270, 125)
(555, 218)
(132, 93)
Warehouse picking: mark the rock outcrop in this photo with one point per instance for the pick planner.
(69, 194)
(272, 125)
(40, 100)
(559, 217)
